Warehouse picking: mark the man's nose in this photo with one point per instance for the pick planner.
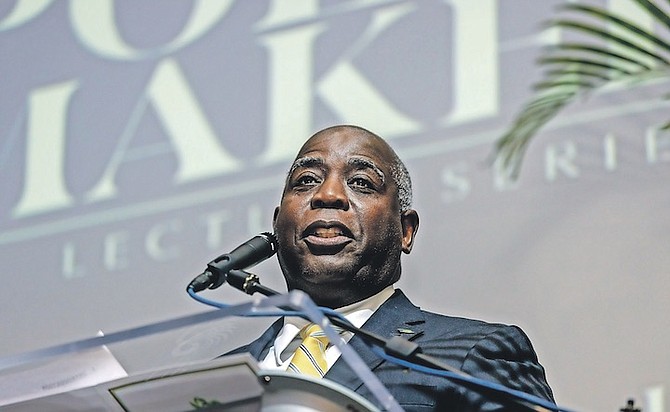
(331, 194)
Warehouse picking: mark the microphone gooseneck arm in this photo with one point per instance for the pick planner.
(248, 283)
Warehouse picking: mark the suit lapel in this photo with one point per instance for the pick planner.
(395, 317)
(260, 347)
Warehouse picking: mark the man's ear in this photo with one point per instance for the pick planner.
(410, 225)
(274, 218)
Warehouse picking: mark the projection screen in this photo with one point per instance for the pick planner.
(139, 140)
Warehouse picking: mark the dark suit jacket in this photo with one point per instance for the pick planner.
(494, 352)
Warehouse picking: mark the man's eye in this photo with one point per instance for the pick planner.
(306, 180)
(361, 183)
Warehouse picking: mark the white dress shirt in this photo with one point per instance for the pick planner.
(288, 340)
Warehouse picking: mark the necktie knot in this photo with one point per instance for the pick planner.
(310, 357)
(313, 330)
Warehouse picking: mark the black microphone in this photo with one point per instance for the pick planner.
(249, 253)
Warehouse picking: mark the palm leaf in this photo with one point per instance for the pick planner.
(594, 50)
(611, 49)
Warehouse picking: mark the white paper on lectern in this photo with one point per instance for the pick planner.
(63, 374)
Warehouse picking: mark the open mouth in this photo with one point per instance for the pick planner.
(328, 232)
(327, 236)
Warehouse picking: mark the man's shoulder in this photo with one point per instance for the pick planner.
(464, 324)
(465, 334)
(399, 303)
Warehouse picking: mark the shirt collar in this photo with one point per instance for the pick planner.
(367, 305)
(357, 313)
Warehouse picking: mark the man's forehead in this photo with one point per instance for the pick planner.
(347, 142)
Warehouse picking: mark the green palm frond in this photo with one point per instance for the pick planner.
(611, 49)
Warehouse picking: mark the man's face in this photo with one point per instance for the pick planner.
(339, 227)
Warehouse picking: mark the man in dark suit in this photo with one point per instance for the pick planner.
(343, 221)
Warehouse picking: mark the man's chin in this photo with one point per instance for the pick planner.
(326, 261)
(326, 273)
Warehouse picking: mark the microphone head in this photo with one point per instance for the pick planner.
(271, 238)
(251, 252)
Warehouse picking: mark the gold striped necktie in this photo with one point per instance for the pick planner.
(310, 357)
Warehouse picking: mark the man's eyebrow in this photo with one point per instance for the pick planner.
(361, 163)
(307, 161)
